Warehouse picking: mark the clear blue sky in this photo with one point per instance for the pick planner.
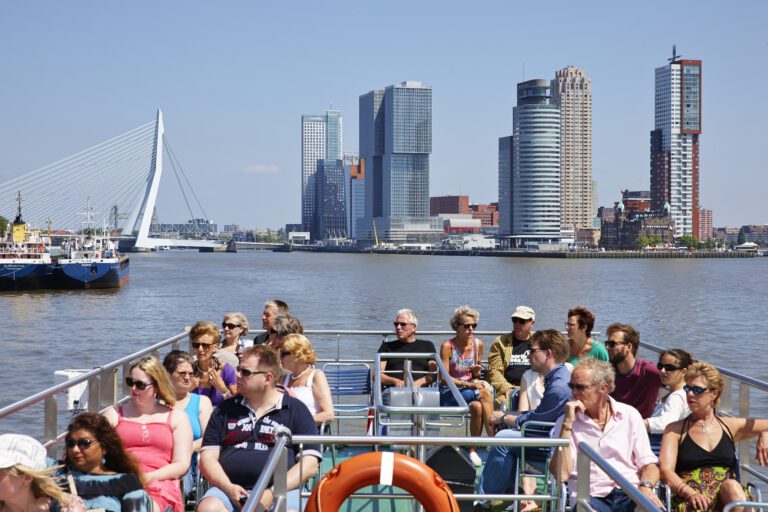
(234, 78)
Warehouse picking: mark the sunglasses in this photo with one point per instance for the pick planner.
(612, 344)
(247, 373)
(196, 345)
(668, 367)
(80, 443)
(696, 390)
(186, 374)
(519, 320)
(141, 386)
(579, 387)
(230, 326)
(401, 324)
(467, 326)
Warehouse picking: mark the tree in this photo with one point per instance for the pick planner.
(742, 237)
(687, 240)
(3, 225)
(642, 241)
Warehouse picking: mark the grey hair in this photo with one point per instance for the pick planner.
(460, 312)
(602, 371)
(277, 304)
(411, 315)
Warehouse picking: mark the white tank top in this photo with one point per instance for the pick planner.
(304, 393)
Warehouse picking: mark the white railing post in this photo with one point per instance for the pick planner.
(582, 479)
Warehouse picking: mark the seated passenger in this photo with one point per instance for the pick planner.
(462, 355)
(406, 342)
(104, 475)
(508, 355)
(698, 453)
(240, 436)
(285, 323)
(580, 323)
(26, 483)
(180, 368)
(216, 380)
(672, 366)
(158, 436)
(548, 353)
(271, 308)
(637, 380)
(235, 328)
(593, 417)
(304, 381)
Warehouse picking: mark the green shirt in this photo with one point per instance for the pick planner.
(598, 351)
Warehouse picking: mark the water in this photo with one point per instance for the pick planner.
(713, 307)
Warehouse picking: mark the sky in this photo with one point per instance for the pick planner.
(233, 79)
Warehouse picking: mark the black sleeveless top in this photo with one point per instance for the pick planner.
(691, 456)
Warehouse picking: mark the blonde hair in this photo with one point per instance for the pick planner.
(460, 312)
(240, 318)
(709, 373)
(43, 484)
(204, 327)
(156, 371)
(300, 348)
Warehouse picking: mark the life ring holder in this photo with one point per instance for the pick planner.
(382, 468)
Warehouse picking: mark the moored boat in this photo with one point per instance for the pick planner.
(25, 259)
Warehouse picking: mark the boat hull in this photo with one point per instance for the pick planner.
(92, 274)
(25, 276)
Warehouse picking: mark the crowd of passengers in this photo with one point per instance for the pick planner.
(215, 410)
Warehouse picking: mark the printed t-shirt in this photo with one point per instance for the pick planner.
(518, 362)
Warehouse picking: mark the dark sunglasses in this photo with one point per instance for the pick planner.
(206, 346)
(141, 386)
(230, 326)
(247, 373)
(668, 367)
(467, 326)
(579, 387)
(80, 443)
(519, 320)
(696, 390)
(401, 324)
(612, 344)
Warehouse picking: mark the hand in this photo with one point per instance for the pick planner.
(234, 492)
(476, 370)
(699, 502)
(762, 448)
(571, 408)
(216, 381)
(267, 498)
(398, 383)
(652, 496)
(496, 416)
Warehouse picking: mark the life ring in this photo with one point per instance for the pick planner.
(382, 468)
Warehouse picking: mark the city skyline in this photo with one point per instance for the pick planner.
(233, 82)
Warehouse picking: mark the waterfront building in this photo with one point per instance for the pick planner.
(356, 199)
(488, 214)
(638, 201)
(321, 139)
(448, 204)
(535, 156)
(726, 235)
(705, 224)
(756, 233)
(572, 92)
(395, 143)
(506, 147)
(330, 200)
(623, 232)
(675, 143)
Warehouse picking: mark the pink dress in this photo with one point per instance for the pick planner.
(152, 445)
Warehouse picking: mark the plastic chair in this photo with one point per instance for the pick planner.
(348, 380)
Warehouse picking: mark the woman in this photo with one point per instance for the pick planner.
(99, 470)
(306, 382)
(698, 454)
(159, 439)
(217, 380)
(198, 408)
(463, 356)
(25, 482)
(235, 327)
(672, 366)
(285, 323)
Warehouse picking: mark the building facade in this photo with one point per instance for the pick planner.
(506, 148)
(321, 139)
(488, 214)
(448, 204)
(705, 224)
(330, 200)
(571, 91)
(675, 143)
(356, 201)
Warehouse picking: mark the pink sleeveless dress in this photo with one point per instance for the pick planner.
(152, 445)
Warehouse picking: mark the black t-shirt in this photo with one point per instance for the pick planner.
(417, 365)
(519, 362)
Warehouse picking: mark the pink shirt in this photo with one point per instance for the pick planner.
(624, 444)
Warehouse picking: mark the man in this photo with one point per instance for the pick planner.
(406, 342)
(239, 436)
(580, 323)
(271, 308)
(548, 353)
(508, 356)
(611, 428)
(637, 380)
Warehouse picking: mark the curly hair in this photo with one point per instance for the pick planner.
(160, 379)
(585, 318)
(709, 373)
(602, 371)
(204, 327)
(286, 323)
(115, 457)
(300, 348)
(461, 312)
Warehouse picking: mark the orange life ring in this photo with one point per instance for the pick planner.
(382, 468)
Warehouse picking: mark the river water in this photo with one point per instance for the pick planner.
(713, 307)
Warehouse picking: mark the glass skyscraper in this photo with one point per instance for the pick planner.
(320, 140)
(331, 200)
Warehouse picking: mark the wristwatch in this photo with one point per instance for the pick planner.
(648, 484)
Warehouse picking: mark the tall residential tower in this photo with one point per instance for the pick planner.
(320, 140)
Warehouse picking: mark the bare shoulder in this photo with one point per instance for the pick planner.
(674, 428)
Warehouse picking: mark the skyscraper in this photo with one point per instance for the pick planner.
(572, 92)
(675, 143)
(505, 185)
(320, 140)
(330, 200)
(395, 144)
(355, 170)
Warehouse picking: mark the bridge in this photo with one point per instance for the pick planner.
(120, 176)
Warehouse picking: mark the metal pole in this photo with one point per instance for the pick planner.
(50, 424)
(744, 413)
(582, 482)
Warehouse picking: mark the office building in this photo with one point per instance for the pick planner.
(505, 185)
(488, 214)
(675, 143)
(356, 201)
(320, 140)
(448, 204)
(330, 200)
(395, 143)
(705, 224)
(572, 92)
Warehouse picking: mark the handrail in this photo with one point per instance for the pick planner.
(586, 455)
(277, 467)
(750, 504)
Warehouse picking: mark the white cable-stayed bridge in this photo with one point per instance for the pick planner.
(118, 178)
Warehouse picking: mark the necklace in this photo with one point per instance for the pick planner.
(704, 425)
(305, 370)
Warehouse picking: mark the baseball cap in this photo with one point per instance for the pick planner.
(524, 313)
(23, 450)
